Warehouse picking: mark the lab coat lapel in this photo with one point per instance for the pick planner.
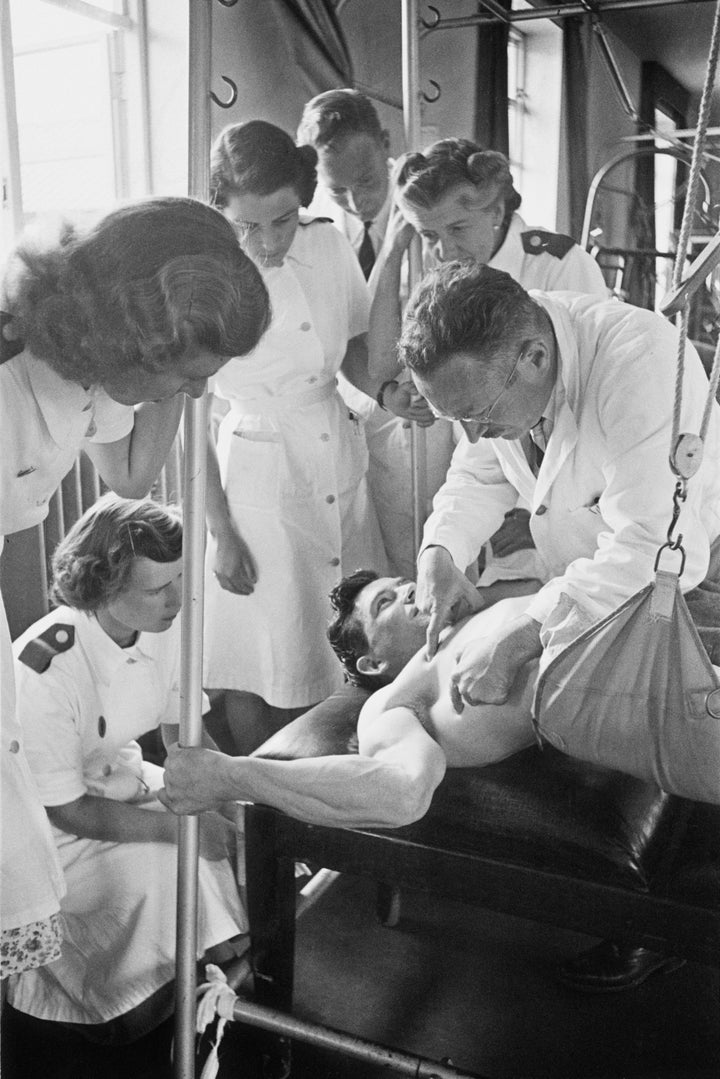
(565, 432)
(516, 467)
(560, 445)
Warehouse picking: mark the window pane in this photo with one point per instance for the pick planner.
(64, 111)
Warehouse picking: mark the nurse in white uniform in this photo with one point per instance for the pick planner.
(93, 675)
(101, 336)
(288, 505)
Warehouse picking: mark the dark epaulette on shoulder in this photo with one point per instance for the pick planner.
(9, 346)
(315, 221)
(39, 653)
(537, 241)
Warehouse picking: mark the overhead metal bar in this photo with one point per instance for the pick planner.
(494, 13)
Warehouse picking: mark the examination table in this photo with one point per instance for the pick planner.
(538, 835)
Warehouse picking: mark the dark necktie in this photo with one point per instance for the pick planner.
(534, 445)
(366, 254)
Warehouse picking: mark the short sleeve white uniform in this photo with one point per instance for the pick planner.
(44, 420)
(80, 717)
(293, 461)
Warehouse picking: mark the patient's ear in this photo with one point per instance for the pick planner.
(371, 666)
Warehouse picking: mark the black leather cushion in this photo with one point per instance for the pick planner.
(696, 870)
(543, 809)
(539, 807)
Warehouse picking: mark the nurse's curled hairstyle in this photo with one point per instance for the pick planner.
(92, 564)
(422, 179)
(150, 282)
(258, 158)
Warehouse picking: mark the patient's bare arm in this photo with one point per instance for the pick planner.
(390, 783)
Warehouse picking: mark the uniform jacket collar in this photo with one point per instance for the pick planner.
(58, 399)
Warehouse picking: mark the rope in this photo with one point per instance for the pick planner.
(683, 243)
(217, 999)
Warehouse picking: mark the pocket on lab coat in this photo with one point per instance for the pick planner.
(253, 468)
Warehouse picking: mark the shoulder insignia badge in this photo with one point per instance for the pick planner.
(39, 653)
(538, 241)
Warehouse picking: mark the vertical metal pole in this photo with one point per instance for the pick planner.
(411, 117)
(194, 474)
(11, 206)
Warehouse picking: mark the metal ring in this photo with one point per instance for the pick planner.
(712, 703)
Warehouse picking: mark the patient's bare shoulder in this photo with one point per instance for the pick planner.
(416, 687)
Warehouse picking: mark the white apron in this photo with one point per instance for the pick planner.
(120, 923)
(293, 461)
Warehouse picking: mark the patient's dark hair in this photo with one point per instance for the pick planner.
(345, 632)
(92, 563)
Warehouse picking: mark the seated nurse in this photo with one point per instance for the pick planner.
(288, 507)
(93, 675)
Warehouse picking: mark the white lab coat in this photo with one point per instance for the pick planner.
(293, 462)
(389, 442)
(602, 501)
(80, 717)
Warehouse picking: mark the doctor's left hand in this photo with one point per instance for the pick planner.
(485, 670)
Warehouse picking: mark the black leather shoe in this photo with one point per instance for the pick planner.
(610, 967)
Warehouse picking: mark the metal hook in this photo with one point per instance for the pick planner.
(233, 89)
(425, 23)
(429, 99)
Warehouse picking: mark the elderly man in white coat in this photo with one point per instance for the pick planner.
(589, 386)
(566, 402)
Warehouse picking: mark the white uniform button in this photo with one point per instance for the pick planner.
(540, 510)
(334, 561)
(330, 499)
(14, 746)
(324, 438)
(61, 636)
(305, 326)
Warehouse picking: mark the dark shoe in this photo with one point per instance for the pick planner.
(611, 967)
